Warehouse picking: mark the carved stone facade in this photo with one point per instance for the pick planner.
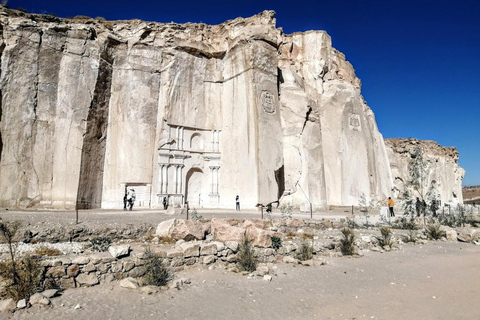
(189, 167)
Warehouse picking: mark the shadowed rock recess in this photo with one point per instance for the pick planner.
(187, 112)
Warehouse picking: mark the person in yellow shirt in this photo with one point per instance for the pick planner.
(390, 207)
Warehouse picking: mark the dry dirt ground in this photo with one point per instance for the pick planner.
(439, 280)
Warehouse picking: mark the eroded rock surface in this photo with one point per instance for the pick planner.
(192, 112)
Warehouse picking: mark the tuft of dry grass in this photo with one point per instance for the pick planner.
(43, 250)
(307, 236)
(291, 234)
(166, 239)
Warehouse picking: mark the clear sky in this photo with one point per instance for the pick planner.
(419, 60)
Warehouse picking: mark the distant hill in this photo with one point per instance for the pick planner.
(471, 194)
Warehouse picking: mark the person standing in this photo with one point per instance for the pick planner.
(237, 202)
(390, 206)
(418, 206)
(131, 198)
(125, 201)
(165, 203)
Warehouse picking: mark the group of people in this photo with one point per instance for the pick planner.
(420, 207)
(129, 199)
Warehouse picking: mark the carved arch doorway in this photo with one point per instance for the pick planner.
(193, 187)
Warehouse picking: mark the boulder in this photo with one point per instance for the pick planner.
(290, 259)
(260, 238)
(451, 234)
(190, 249)
(8, 305)
(232, 245)
(50, 293)
(208, 249)
(119, 251)
(87, 280)
(189, 230)
(56, 272)
(89, 267)
(39, 300)
(129, 283)
(222, 231)
(468, 235)
(209, 259)
(21, 304)
(81, 260)
(164, 228)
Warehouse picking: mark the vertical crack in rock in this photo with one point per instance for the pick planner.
(280, 179)
(306, 118)
(280, 80)
(90, 183)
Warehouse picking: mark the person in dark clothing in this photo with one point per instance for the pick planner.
(131, 198)
(269, 208)
(165, 203)
(125, 202)
(434, 207)
(237, 202)
(418, 207)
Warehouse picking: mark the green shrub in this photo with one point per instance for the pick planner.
(156, 273)
(386, 238)
(346, 243)
(305, 251)
(195, 215)
(434, 231)
(276, 242)
(247, 261)
(406, 224)
(100, 243)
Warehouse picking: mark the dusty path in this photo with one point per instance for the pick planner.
(439, 280)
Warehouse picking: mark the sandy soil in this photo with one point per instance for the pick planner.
(438, 280)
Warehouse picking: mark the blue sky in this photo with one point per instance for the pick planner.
(419, 61)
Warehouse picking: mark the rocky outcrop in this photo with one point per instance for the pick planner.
(191, 112)
(442, 171)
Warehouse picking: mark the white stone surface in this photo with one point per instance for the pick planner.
(119, 250)
(191, 112)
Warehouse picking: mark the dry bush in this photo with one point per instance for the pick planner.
(291, 234)
(386, 238)
(346, 243)
(307, 236)
(305, 251)
(247, 261)
(435, 232)
(22, 278)
(166, 239)
(43, 250)
(156, 272)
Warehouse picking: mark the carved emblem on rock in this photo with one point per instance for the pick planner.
(354, 122)
(267, 102)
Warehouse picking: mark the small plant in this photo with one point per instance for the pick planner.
(286, 211)
(305, 251)
(434, 231)
(276, 242)
(352, 224)
(43, 250)
(100, 243)
(156, 273)
(22, 278)
(25, 280)
(406, 224)
(166, 239)
(386, 238)
(307, 236)
(346, 243)
(247, 261)
(195, 215)
(291, 234)
(410, 237)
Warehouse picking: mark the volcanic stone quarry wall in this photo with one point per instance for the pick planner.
(187, 112)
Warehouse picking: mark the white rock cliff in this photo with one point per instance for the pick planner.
(191, 112)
